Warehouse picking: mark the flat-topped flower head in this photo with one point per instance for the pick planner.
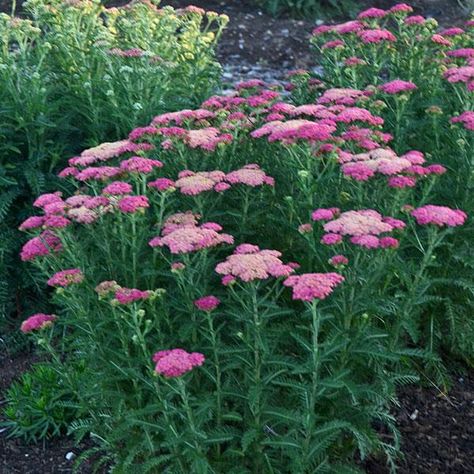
(181, 234)
(40, 246)
(313, 286)
(372, 13)
(138, 164)
(466, 118)
(104, 288)
(292, 130)
(131, 204)
(33, 222)
(376, 36)
(161, 184)
(130, 295)
(176, 362)
(117, 188)
(251, 175)
(439, 215)
(325, 214)
(249, 263)
(342, 96)
(397, 86)
(37, 322)
(338, 261)
(99, 173)
(356, 223)
(194, 183)
(103, 152)
(48, 198)
(66, 278)
(207, 303)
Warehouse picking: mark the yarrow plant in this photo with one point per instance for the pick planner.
(280, 259)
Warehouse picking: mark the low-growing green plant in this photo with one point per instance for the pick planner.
(38, 405)
(75, 74)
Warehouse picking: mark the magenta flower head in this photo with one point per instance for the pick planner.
(117, 188)
(40, 246)
(311, 286)
(36, 322)
(176, 362)
(325, 214)
(401, 8)
(372, 13)
(207, 303)
(66, 277)
(130, 295)
(161, 184)
(397, 86)
(439, 215)
(32, 222)
(131, 204)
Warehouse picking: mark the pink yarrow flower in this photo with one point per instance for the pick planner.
(207, 303)
(131, 204)
(249, 263)
(118, 188)
(397, 86)
(439, 215)
(176, 362)
(40, 246)
(36, 322)
(32, 223)
(130, 295)
(338, 260)
(311, 286)
(66, 278)
(161, 184)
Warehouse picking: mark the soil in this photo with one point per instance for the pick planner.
(437, 433)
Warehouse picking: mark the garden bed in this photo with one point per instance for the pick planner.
(437, 433)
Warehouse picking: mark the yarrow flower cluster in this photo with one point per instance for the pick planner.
(466, 118)
(364, 229)
(182, 234)
(176, 362)
(130, 295)
(311, 286)
(207, 303)
(66, 278)
(40, 246)
(397, 86)
(439, 215)
(249, 263)
(36, 322)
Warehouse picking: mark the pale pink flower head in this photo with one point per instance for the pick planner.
(161, 184)
(40, 246)
(37, 322)
(207, 303)
(313, 286)
(102, 152)
(338, 261)
(357, 223)
(66, 278)
(249, 263)
(192, 183)
(190, 238)
(251, 175)
(131, 204)
(130, 295)
(372, 13)
(341, 96)
(439, 215)
(177, 267)
(397, 86)
(82, 215)
(118, 188)
(31, 223)
(179, 220)
(305, 228)
(176, 362)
